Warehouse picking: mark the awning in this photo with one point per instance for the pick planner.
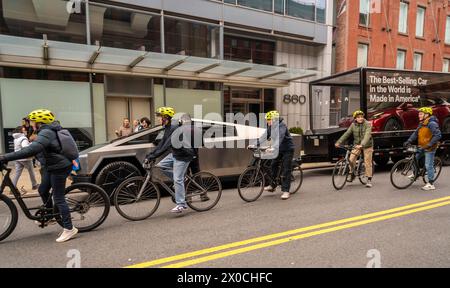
(42, 54)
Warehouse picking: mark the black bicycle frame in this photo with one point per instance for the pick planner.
(8, 183)
(149, 177)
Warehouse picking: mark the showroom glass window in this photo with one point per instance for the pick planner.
(34, 18)
(191, 38)
(120, 28)
(304, 9)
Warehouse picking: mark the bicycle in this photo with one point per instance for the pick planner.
(405, 172)
(88, 204)
(341, 170)
(252, 181)
(138, 198)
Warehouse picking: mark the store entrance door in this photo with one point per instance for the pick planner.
(125, 107)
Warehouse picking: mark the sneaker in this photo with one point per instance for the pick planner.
(204, 198)
(66, 235)
(351, 177)
(285, 195)
(269, 188)
(369, 184)
(178, 209)
(428, 187)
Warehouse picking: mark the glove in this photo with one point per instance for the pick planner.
(3, 160)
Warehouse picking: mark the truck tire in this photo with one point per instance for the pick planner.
(113, 174)
(381, 161)
(446, 126)
(393, 125)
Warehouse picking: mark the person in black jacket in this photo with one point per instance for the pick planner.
(175, 164)
(283, 145)
(56, 167)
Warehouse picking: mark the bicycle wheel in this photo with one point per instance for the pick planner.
(362, 172)
(8, 216)
(296, 178)
(251, 184)
(133, 207)
(437, 170)
(403, 174)
(203, 191)
(340, 174)
(89, 206)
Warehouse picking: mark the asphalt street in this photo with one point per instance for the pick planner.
(411, 236)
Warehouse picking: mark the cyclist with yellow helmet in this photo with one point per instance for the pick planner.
(361, 130)
(427, 136)
(56, 166)
(175, 164)
(281, 139)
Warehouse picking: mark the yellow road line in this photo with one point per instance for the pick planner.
(278, 235)
(301, 236)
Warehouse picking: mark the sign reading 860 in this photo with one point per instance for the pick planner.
(294, 99)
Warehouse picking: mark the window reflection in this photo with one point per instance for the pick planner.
(33, 19)
(119, 28)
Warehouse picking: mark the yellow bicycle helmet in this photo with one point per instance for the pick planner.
(272, 114)
(357, 113)
(42, 116)
(426, 110)
(165, 111)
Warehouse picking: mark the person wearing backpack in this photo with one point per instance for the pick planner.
(20, 142)
(56, 150)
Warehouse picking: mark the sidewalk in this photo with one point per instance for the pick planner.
(24, 183)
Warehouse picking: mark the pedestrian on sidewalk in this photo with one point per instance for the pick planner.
(125, 129)
(20, 142)
(145, 123)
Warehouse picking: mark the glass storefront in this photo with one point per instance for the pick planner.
(67, 94)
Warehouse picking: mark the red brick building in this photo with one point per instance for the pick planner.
(403, 34)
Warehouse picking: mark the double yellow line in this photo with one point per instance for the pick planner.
(222, 251)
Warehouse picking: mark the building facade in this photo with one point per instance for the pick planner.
(400, 34)
(95, 62)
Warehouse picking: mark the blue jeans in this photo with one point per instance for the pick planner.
(429, 162)
(57, 182)
(176, 171)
